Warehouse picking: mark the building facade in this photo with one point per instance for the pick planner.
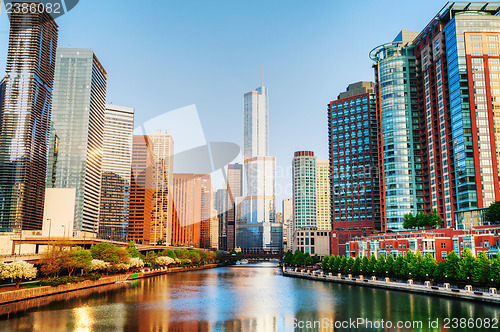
(354, 165)
(25, 114)
(116, 173)
(439, 243)
(234, 191)
(76, 146)
(141, 190)
(323, 196)
(288, 221)
(257, 231)
(312, 241)
(304, 190)
(163, 170)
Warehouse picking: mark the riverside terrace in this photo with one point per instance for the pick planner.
(40, 244)
(468, 293)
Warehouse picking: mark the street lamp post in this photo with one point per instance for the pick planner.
(50, 225)
(64, 231)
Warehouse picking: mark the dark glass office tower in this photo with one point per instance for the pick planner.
(24, 120)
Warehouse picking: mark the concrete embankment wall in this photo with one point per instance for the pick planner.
(399, 286)
(30, 293)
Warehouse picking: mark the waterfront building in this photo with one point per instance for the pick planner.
(304, 190)
(399, 130)
(192, 209)
(323, 202)
(438, 242)
(312, 241)
(76, 146)
(25, 113)
(287, 222)
(116, 172)
(214, 230)
(221, 206)
(459, 89)
(354, 154)
(141, 190)
(257, 231)
(234, 191)
(163, 170)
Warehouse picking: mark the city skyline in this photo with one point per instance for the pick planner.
(287, 72)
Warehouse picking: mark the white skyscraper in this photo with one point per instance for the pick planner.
(257, 229)
(116, 169)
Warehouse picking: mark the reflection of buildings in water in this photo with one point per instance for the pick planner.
(83, 318)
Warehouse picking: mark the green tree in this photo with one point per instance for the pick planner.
(467, 264)
(203, 256)
(109, 253)
(398, 267)
(298, 258)
(389, 265)
(194, 256)
(325, 263)
(482, 269)
(380, 266)
(288, 257)
(409, 221)
(335, 263)
(77, 259)
(371, 264)
(315, 259)
(357, 265)
(343, 265)
(493, 213)
(350, 265)
(428, 266)
(451, 267)
(495, 271)
(151, 258)
(435, 219)
(365, 265)
(132, 250)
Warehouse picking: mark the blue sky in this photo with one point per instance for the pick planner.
(163, 55)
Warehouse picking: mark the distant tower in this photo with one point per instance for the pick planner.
(257, 230)
(25, 120)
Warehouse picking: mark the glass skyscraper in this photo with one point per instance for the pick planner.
(75, 159)
(116, 173)
(25, 120)
(304, 190)
(402, 189)
(257, 230)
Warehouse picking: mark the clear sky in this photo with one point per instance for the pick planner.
(164, 54)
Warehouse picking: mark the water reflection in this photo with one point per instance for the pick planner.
(239, 298)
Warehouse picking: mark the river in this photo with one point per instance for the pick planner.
(253, 297)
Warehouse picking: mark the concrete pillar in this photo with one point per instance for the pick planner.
(427, 284)
(468, 288)
(410, 281)
(446, 285)
(387, 280)
(493, 291)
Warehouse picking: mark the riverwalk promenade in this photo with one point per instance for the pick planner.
(468, 293)
(31, 293)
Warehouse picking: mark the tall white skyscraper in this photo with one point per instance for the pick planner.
(257, 230)
(163, 172)
(116, 169)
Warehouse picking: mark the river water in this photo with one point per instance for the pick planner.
(253, 297)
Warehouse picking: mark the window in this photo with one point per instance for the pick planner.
(443, 245)
(444, 254)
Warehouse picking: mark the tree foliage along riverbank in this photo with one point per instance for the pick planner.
(63, 259)
(464, 269)
(300, 259)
